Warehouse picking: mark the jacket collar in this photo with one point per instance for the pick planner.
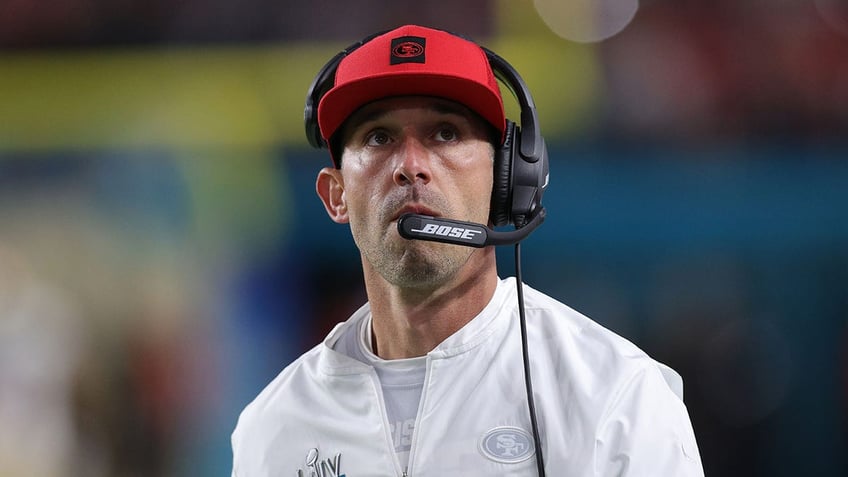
(491, 320)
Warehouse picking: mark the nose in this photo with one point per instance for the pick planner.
(413, 163)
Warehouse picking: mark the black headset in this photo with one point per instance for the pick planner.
(521, 161)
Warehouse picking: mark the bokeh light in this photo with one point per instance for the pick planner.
(586, 21)
(835, 14)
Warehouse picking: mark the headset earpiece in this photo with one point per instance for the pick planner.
(521, 163)
(499, 212)
(529, 181)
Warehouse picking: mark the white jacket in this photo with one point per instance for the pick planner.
(604, 407)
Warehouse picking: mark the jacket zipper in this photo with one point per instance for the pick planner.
(386, 426)
(389, 443)
(417, 430)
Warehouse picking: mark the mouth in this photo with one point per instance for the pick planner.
(415, 209)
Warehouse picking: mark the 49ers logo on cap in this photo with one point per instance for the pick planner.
(407, 49)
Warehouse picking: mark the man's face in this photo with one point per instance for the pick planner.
(412, 154)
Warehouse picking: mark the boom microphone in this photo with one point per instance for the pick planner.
(457, 232)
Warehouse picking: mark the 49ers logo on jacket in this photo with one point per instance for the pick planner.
(508, 445)
(330, 467)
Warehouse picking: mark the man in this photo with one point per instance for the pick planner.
(426, 378)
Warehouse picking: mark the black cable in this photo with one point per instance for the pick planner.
(540, 463)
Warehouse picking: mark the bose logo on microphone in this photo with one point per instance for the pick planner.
(448, 231)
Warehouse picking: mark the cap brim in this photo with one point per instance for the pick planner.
(339, 103)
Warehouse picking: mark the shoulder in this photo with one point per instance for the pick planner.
(302, 377)
(631, 403)
(277, 394)
(589, 359)
(282, 404)
(272, 414)
(575, 333)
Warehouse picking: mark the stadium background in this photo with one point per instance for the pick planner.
(163, 256)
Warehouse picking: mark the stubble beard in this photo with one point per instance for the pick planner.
(416, 264)
(411, 264)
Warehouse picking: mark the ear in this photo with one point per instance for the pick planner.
(330, 188)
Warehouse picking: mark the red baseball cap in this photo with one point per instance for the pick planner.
(413, 60)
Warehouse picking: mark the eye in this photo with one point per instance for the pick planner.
(377, 138)
(446, 134)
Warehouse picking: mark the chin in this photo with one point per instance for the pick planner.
(426, 264)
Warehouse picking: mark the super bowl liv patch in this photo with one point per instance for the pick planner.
(330, 467)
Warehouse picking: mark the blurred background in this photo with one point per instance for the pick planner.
(163, 255)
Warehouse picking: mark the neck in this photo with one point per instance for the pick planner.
(409, 322)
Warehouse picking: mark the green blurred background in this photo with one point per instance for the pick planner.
(163, 255)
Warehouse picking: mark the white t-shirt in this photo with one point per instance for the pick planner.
(401, 381)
